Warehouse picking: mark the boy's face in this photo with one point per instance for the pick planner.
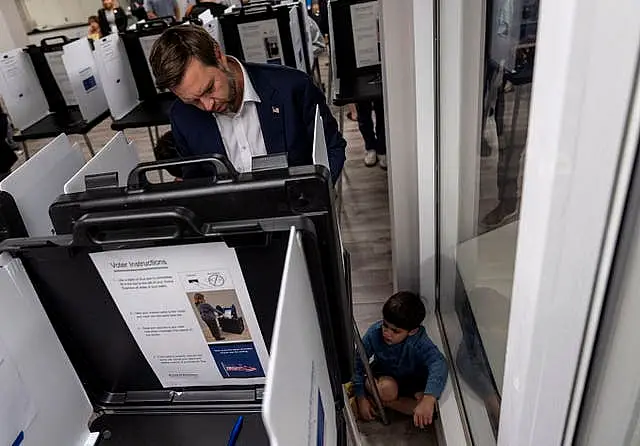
(395, 335)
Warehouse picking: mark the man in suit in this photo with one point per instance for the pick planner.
(240, 110)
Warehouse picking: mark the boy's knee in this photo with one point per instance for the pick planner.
(388, 389)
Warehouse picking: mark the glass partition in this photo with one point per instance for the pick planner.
(479, 191)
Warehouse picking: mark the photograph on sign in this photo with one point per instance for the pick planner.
(261, 42)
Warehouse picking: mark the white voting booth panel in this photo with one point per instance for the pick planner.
(38, 182)
(298, 407)
(320, 154)
(20, 89)
(41, 394)
(85, 83)
(212, 25)
(116, 75)
(117, 155)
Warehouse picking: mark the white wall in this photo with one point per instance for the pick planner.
(59, 12)
(400, 113)
(12, 30)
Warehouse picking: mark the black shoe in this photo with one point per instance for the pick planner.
(500, 215)
(220, 338)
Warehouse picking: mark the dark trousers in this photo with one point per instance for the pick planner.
(373, 140)
(213, 327)
(508, 172)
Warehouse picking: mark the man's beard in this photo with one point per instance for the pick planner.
(233, 91)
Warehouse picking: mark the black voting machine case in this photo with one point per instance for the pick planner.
(249, 212)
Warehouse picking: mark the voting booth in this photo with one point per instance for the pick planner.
(354, 29)
(163, 312)
(28, 191)
(263, 32)
(52, 86)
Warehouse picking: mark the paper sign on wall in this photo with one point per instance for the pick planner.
(189, 310)
(261, 42)
(366, 33)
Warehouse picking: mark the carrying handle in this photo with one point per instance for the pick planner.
(254, 8)
(140, 225)
(157, 23)
(222, 168)
(55, 40)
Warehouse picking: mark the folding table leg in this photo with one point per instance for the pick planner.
(342, 119)
(367, 368)
(87, 141)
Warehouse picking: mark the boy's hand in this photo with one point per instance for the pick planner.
(365, 409)
(423, 413)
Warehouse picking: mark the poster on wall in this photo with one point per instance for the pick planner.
(261, 42)
(366, 33)
(189, 310)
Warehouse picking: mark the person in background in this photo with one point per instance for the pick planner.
(162, 8)
(94, 28)
(209, 315)
(112, 18)
(375, 142)
(409, 371)
(239, 110)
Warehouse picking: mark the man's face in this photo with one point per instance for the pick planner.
(392, 334)
(212, 89)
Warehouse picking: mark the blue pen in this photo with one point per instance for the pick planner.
(19, 439)
(235, 432)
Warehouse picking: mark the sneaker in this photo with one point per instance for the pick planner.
(498, 216)
(370, 158)
(382, 159)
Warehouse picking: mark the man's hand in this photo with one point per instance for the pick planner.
(423, 413)
(366, 410)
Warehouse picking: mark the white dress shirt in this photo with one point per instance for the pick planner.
(241, 132)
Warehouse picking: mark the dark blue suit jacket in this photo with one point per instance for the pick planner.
(287, 117)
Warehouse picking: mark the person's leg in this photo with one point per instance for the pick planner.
(405, 405)
(365, 124)
(381, 135)
(378, 107)
(507, 179)
(215, 330)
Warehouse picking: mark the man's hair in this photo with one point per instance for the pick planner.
(404, 310)
(174, 49)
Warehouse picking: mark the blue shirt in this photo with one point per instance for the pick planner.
(161, 8)
(415, 356)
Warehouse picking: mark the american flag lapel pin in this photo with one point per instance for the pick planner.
(276, 110)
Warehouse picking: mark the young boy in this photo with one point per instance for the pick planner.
(94, 28)
(409, 370)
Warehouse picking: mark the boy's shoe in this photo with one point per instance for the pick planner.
(382, 159)
(370, 158)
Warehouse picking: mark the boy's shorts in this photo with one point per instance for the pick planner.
(408, 386)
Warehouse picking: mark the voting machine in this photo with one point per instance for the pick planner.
(263, 32)
(56, 80)
(110, 329)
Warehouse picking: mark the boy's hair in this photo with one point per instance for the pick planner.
(166, 149)
(92, 18)
(404, 310)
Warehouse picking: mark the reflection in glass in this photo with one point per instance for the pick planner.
(475, 304)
